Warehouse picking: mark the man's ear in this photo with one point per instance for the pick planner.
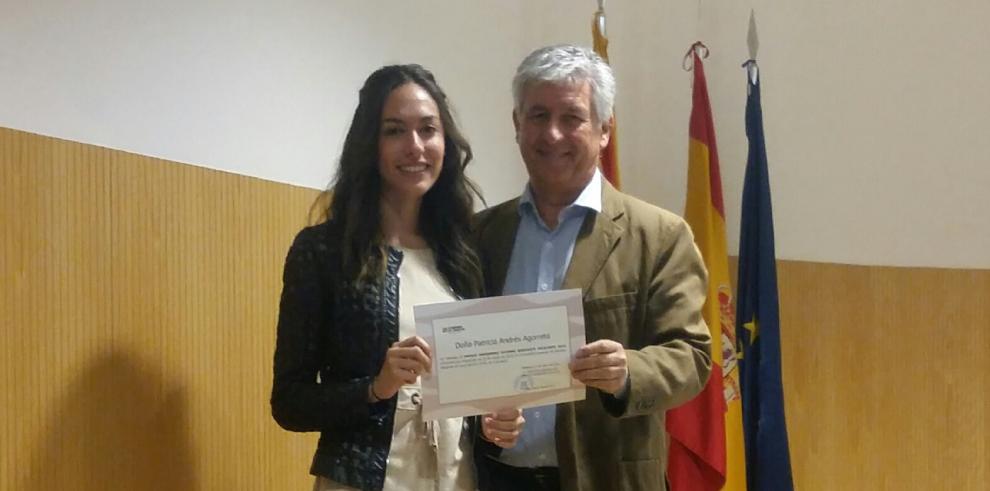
(515, 123)
(607, 132)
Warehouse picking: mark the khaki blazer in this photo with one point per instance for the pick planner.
(644, 284)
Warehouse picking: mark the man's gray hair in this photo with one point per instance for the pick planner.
(568, 64)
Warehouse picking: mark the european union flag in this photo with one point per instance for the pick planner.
(768, 462)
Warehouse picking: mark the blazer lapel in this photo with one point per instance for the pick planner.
(599, 235)
(498, 241)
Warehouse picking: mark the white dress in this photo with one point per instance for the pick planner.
(433, 456)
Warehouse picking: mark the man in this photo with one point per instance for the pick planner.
(642, 278)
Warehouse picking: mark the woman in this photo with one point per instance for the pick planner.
(347, 361)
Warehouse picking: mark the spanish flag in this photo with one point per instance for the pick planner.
(610, 155)
(706, 448)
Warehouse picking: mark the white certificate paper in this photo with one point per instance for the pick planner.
(493, 353)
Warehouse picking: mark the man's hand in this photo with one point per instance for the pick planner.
(602, 365)
(502, 428)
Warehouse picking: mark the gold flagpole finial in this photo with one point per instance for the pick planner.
(600, 19)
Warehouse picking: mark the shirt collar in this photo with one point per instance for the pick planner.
(590, 197)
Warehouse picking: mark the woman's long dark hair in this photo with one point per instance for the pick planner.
(446, 210)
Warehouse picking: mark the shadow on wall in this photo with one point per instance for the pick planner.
(118, 426)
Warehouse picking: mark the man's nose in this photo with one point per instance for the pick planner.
(553, 131)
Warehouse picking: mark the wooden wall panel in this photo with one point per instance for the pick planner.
(139, 300)
(56, 302)
(885, 376)
(139, 305)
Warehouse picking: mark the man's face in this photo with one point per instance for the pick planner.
(559, 137)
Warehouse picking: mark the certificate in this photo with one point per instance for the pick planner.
(501, 352)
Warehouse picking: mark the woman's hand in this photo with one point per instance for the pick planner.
(404, 362)
(502, 428)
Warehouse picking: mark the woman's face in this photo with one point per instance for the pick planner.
(410, 145)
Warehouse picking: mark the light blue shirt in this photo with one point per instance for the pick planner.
(540, 258)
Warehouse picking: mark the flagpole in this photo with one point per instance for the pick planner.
(768, 465)
(609, 160)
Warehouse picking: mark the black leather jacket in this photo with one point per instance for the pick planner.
(332, 339)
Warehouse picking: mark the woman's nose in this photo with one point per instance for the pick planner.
(415, 143)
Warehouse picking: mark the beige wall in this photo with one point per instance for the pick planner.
(875, 111)
(139, 303)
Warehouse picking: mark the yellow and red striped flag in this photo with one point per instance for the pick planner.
(706, 451)
(610, 155)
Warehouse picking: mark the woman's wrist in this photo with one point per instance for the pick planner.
(372, 393)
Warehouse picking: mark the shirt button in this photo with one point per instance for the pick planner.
(543, 286)
(415, 398)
